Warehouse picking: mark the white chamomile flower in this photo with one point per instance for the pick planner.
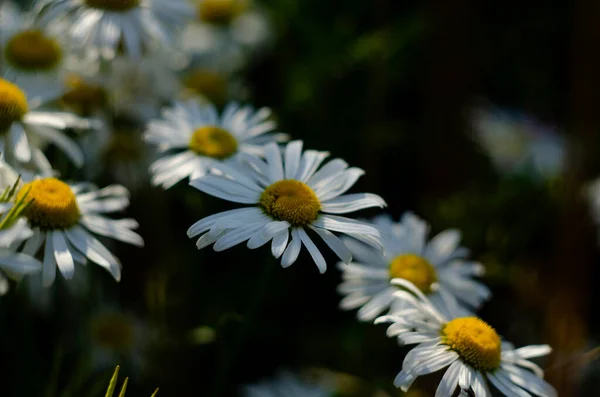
(64, 219)
(468, 347)
(438, 268)
(237, 28)
(287, 197)
(102, 28)
(28, 49)
(519, 144)
(202, 138)
(285, 384)
(25, 130)
(15, 264)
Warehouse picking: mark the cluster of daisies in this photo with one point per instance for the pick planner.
(145, 83)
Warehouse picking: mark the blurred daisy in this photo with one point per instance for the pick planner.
(139, 89)
(84, 95)
(64, 219)
(202, 138)
(25, 130)
(438, 268)
(102, 28)
(235, 28)
(28, 49)
(469, 347)
(518, 143)
(286, 384)
(287, 196)
(119, 336)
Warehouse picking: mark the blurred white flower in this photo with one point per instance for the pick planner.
(237, 29)
(286, 195)
(103, 28)
(286, 384)
(201, 138)
(468, 347)
(439, 268)
(517, 143)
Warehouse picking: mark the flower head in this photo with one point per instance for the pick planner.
(201, 138)
(437, 267)
(288, 196)
(468, 347)
(64, 219)
(102, 28)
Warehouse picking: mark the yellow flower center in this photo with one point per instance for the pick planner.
(114, 331)
(113, 5)
(123, 146)
(53, 204)
(475, 341)
(209, 84)
(32, 50)
(415, 269)
(220, 12)
(13, 104)
(291, 200)
(213, 141)
(81, 97)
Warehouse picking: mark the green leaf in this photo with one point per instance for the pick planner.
(113, 383)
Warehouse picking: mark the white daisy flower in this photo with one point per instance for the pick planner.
(285, 384)
(438, 268)
(25, 130)
(13, 264)
(29, 49)
(64, 219)
(287, 197)
(519, 144)
(104, 27)
(469, 347)
(202, 138)
(237, 28)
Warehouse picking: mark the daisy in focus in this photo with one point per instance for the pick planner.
(468, 347)
(519, 144)
(289, 196)
(102, 28)
(64, 219)
(201, 138)
(285, 384)
(438, 268)
(26, 130)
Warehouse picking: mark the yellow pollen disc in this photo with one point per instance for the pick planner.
(13, 104)
(415, 269)
(291, 200)
(53, 204)
(475, 341)
(81, 97)
(209, 84)
(114, 331)
(213, 141)
(113, 5)
(221, 12)
(32, 50)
